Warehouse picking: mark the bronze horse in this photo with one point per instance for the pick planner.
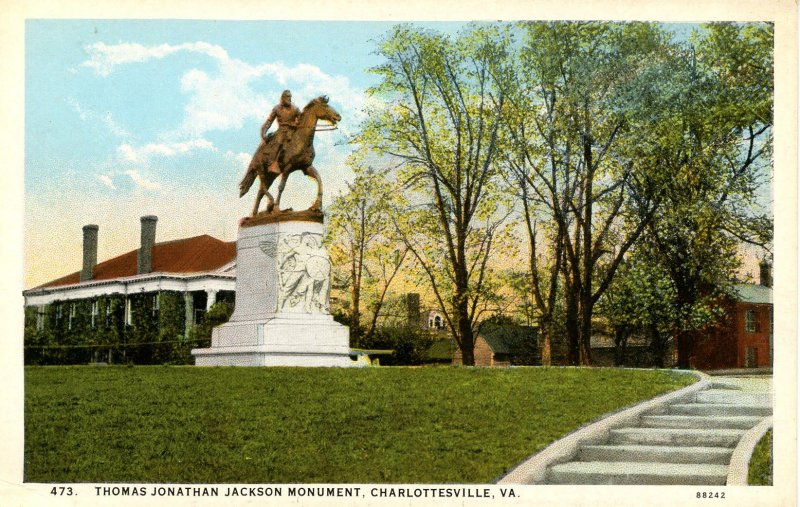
(297, 154)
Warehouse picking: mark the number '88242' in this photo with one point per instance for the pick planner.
(710, 494)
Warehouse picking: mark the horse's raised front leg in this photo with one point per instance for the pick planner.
(271, 203)
(311, 171)
(263, 190)
(259, 195)
(281, 186)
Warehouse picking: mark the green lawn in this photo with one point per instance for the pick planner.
(760, 470)
(284, 425)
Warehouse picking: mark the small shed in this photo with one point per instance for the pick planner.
(502, 346)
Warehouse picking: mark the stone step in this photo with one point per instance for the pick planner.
(697, 421)
(724, 385)
(656, 454)
(734, 397)
(601, 472)
(679, 437)
(722, 409)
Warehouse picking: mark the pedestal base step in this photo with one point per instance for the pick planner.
(262, 356)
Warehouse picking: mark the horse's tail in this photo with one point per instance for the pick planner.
(252, 169)
(247, 181)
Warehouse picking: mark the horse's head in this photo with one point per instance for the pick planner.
(320, 108)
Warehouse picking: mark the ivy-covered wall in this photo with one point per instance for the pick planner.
(73, 334)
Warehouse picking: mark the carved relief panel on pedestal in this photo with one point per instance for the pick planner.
(303, 272)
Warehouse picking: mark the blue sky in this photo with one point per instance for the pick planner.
(126, 118)
(195, 87)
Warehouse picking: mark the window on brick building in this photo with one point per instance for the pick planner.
(71, 315)
(750, 357)
(750, 321)
(128, 312)
(40, 316)
(95, 311)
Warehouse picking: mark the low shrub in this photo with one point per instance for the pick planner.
(409, 344)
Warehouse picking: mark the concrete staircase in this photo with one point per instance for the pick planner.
(682, 443)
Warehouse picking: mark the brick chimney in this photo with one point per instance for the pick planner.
(765, 273)
(89, 251)
(144, 258)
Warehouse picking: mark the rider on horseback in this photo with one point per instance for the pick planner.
(290, 149)
(287, 115)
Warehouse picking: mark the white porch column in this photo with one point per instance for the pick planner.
(211, 298)
(188, 301)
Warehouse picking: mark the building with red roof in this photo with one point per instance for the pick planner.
(120, 292)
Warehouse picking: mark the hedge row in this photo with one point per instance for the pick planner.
(72, 334)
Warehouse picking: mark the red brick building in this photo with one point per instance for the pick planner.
(744, 337)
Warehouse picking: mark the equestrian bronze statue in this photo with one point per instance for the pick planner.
(287, 151)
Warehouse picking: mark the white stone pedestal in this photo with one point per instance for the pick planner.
(281, 315)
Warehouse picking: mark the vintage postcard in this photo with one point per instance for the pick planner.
(519, 253)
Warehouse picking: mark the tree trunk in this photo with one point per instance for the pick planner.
(656, 346)
(585, 331)
(620, 345)
(585, 352)
(573, 331)
(468, 356)
(545, 331)
(686, 289)
(467, 339)
(355, 313)
(587, 263)
(685, 344)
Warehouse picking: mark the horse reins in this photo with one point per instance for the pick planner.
(325, 128)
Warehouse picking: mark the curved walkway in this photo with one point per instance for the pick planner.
(687, 438)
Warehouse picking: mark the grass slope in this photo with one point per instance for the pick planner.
(288, 425)
(760, 471)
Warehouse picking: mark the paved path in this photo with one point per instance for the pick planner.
(760, 384)
(688, 443)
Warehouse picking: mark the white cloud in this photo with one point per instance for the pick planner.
(114, 127)
(107, 181)
(107, 119)
(143, 182)
(242, 159)
(137, 154)
(103, 58)
(229, 95)
(224, 100)
(82, 113)
(127, 152)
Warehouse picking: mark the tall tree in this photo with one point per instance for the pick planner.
(568, 126)
(713, 141)
(441, 122)
(363, 243)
